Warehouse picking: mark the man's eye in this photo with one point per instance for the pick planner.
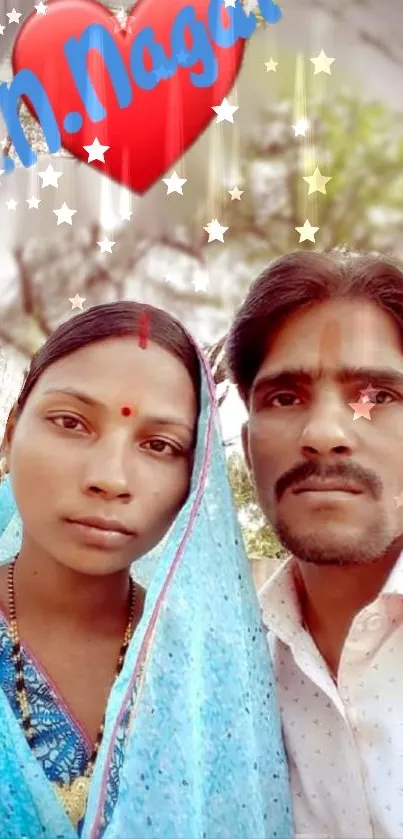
(378, 398)
(284, 400)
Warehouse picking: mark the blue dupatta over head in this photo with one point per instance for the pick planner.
(192, 746)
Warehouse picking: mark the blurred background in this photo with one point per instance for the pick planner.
(289, 121)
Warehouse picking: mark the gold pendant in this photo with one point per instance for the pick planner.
(73, 797)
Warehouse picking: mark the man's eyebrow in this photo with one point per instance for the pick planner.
(89, 400)
(344, 375)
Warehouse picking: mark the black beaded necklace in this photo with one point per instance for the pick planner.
(73, 795)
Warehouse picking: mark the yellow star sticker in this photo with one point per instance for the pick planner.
(317, 182)
(322, 63)
(271, 65)
(307, 232)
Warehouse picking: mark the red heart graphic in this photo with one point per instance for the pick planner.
(157, 127)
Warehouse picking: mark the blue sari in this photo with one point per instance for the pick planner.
(192, 747)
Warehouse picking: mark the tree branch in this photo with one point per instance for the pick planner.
(12, 340)
(188, 249)
(29, 307)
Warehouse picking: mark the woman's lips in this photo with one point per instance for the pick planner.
(97, 538)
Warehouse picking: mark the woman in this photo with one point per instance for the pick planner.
(132, 705)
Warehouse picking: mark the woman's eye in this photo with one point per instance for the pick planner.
(162, 447)
(67, 422)
(284, 400)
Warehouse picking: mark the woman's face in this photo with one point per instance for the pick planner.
(75, 454)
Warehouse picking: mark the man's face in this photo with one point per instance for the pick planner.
(302, 428)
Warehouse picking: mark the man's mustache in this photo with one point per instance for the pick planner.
(346, 471)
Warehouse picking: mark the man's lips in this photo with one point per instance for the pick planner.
(327, 486)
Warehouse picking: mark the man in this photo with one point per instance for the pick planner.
(316, 352)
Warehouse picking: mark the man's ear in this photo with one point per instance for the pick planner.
(245, 443)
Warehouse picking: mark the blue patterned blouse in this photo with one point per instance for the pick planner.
(60, 744)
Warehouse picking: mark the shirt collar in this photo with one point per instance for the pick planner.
(394, 583)
(279, 598)
(279, 602)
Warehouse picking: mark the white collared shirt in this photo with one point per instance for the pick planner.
(344, 742)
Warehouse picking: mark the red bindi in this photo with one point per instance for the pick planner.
(125, 411)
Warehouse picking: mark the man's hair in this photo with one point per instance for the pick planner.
(297, 282)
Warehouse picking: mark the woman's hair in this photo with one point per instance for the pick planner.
(299, 281)
(113, 320)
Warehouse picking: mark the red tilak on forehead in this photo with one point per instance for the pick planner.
(143, 330)
(125, 411)
(330, 344)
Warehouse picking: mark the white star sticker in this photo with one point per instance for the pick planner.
(174, 183)
(50, 177)
(225, 111)
(215, 230)
(235, 193)
(106, 245)
(301, 127)
(64, 214)
(123, 21)
(41, 8)
(14, 16)
(322, 63)
(307, 232)
(200, 281)
(11, 204)
(96, 151)
(77, 302)
(2, 28)
(126, 215)
(271, 66)
(33, 203)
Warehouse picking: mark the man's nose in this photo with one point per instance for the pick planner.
(329, 429)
